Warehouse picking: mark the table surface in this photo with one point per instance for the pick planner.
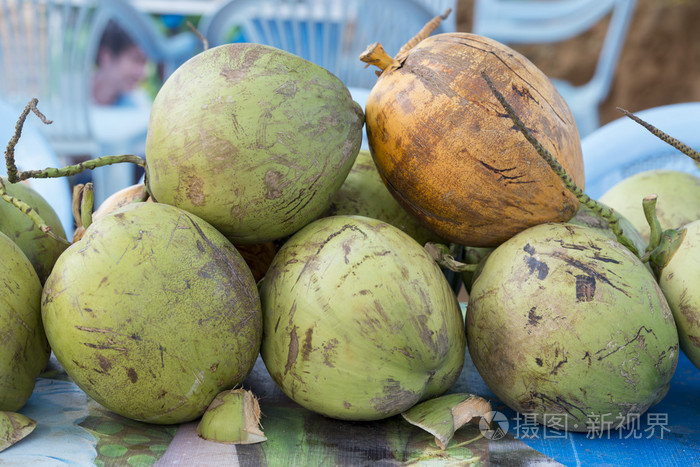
(73, 429)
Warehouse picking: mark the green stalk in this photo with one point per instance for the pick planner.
(30, 212)
(682, 147)
(605, 212)
(86, 204)
(663, 244)
(67, 171)
(649, 206)
(442, 255)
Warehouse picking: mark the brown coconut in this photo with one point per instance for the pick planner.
(451, 155)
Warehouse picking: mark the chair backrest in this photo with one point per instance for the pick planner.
(623, 148)
(48, 50)
(330, 33)
(538, 21)
(545, 21)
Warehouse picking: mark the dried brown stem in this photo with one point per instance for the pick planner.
(427, 30)
(377, 56)
(205, 42)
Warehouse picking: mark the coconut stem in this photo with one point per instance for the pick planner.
(377, 56)
(441, 254)
(83, 200)
(30, 212)
(205, 42)
(67, 171)
(87, 202)
(15, 175)
(685, 149)
(603, 211)
(649, 206)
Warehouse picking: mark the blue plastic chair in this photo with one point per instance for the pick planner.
(542, 21)
(623, 147)
(330, 33)
(48, 50)
(33, 151)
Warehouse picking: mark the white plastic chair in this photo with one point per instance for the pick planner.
(623, 147)
(48, 50)
(543, 21)
(330, 33)
(34, 152)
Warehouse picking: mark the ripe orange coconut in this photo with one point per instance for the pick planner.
(448, 151)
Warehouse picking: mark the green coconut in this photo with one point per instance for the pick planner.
(566, 324)
(24, 350)
(359, 321)
(252, 139)
(679, 277)
(41, 249)
(678, 193)
(364, 194)
(153, 313)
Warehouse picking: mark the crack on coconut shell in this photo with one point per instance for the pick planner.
(524, 92)
(473, 42)
(311, 260)
(638, 337)
(509, 179)
(545, 401)
(670, 351)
